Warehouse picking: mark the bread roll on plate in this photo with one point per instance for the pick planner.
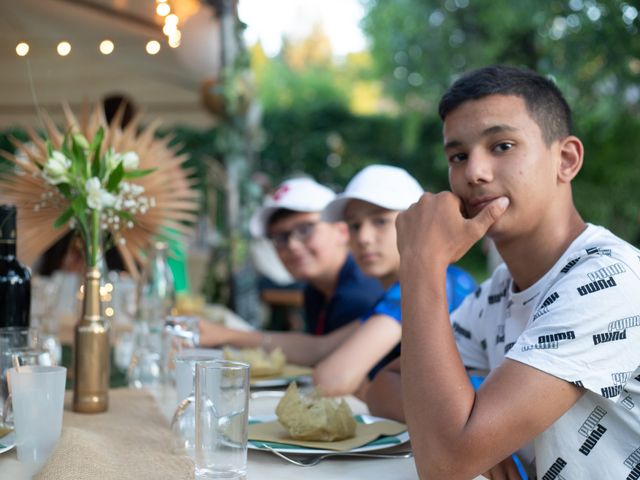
(314, 417)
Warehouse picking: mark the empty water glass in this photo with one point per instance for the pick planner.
(146, 366)
(10, 339)
(145, 369)
(23, 356)
(44, 314)
(39, 400)
(222, 398)
(180, 332)
(183, 422)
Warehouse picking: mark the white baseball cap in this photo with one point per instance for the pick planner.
(298, 195)
(382, 185)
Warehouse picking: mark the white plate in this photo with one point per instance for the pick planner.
(8, 442)
(280, 381)
(255, 444)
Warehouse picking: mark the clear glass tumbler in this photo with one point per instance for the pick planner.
(184, 418)
(222, 405)
(12, 338)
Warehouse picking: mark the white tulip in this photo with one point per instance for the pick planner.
(130, 160)
(97, 197)
(57, 167)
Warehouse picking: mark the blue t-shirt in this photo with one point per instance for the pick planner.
(459, 285)
(354, 296)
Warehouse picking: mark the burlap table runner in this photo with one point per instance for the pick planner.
(129, 441)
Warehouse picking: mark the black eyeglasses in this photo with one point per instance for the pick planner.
(301, 232)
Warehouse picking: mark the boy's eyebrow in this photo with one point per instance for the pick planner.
(486, 132)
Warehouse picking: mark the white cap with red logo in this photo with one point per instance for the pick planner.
(382, 185)
(298, 195)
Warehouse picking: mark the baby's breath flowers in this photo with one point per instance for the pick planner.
(96, 186)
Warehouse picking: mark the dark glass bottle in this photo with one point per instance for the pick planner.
(15, 278)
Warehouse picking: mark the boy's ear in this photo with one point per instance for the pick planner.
(571, 153)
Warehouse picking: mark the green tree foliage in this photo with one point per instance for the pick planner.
(591, 48)
(282, 87)
(332, 144)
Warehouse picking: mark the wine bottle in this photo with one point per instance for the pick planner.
(15, 278)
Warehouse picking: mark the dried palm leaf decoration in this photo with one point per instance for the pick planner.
(174, 202)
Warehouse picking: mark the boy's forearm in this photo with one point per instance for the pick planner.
(297, 347)
(438, 397)
(384, 396)
(343, 371)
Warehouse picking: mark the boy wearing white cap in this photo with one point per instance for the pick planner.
(315, 252)
(369, 205)
(337, 292)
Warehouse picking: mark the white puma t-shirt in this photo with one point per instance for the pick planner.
(581, 323)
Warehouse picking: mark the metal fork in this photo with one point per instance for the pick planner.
(311, 460)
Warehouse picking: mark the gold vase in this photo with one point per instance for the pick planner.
(91, 351)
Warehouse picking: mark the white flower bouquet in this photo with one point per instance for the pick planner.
(96, 186)
(97, 178)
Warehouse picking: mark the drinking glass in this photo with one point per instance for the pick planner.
(38, 393)
(183, 422)
(179, 333)
(44, 314)
(222, 398)
(12, 338)
(124, 301)
(145, 369)
(146, 366)
(23, 356)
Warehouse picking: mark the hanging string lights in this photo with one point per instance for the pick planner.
(170, 29)
(171, 20)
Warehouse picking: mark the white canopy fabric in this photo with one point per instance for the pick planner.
(159, 84)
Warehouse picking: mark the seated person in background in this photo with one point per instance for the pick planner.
(344, 357)
(557, 324)
(314, 252)
(369, 205)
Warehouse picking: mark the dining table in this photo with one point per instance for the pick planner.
(132, 440)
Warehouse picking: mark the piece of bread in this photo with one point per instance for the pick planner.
(262, 364)
(314, 417)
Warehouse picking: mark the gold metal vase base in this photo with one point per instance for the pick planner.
(91, 359)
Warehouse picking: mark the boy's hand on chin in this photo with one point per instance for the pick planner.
(435, 227)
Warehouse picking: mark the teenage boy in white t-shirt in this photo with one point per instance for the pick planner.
(558, 325)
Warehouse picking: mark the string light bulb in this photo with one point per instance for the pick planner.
(174, 39)
(22, 49)
(106, 47)
(63, 48)
(152, 47)
(169, 29)
(163, 9)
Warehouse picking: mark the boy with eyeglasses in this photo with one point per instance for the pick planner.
(314, 252)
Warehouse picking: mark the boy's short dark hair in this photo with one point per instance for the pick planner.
(545, 103)
(280, 214)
